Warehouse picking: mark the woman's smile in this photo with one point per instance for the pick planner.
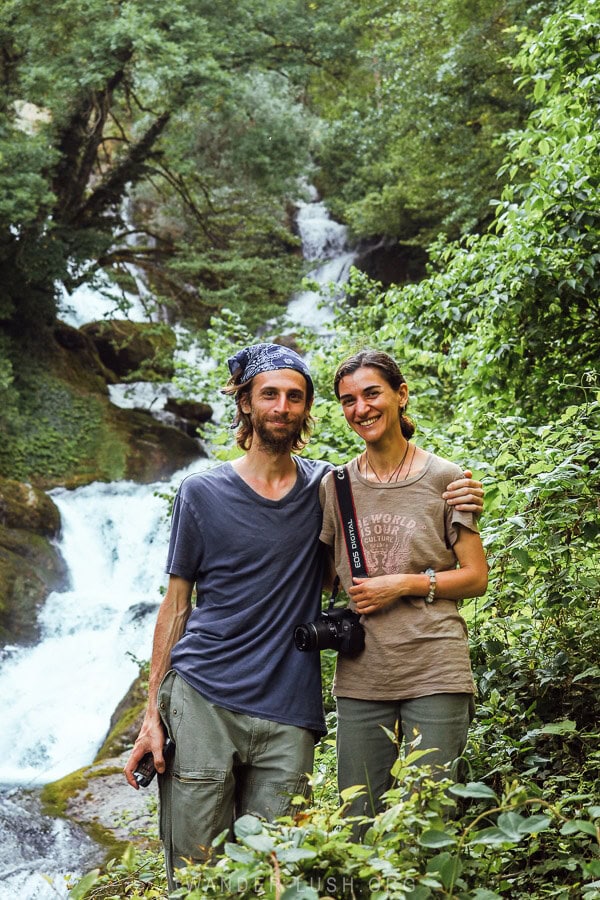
(364, 423)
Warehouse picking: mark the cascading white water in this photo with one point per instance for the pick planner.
(57, 698)
(326, 242)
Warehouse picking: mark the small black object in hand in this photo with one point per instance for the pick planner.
(145, 770)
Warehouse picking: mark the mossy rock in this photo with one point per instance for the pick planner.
(67, 432)
(98, 799)
(26, 507)
(30, 564)
(30, 568)
(75, 359)
(126, 720)
(153, 451)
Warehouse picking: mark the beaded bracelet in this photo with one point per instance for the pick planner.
(432, 583)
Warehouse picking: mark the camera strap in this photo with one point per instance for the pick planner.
(356, 555)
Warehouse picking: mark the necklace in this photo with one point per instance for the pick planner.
(396, 471)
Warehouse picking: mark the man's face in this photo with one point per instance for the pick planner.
(277, 406)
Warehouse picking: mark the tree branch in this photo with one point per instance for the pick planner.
(112, 188)
(78, 144)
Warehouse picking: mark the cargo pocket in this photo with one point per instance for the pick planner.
(202, 807)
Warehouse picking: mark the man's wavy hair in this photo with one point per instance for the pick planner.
(243, 422)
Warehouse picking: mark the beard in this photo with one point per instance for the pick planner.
(276, 440)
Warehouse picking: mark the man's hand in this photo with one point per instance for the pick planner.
(465, 494)
(150, 739)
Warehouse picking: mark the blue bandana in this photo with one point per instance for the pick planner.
(259, 358)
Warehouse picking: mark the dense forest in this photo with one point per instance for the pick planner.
(459, 141)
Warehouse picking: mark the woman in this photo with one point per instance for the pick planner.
(422, 556)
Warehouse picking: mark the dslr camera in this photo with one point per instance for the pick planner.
(335, 629)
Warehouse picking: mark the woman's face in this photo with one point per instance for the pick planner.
(371, 405)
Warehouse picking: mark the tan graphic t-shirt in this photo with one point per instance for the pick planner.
(412, 649)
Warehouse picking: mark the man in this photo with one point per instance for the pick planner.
(242, 705)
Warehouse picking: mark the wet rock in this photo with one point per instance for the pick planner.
(81, 348)
(153, 451)
(109, 803)
(188, 415)
(30, 564)
(71, 357)
(188, 409)
(391, 262)
(40, 855)
(25, 507)
(126, 720)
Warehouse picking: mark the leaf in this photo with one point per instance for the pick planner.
(576, 826)
(511, 823)
(405, 762)
(565, 727)
(349, 793)
(522, 556)
(489, 836)
(448, 867)
(535, 824)
(247, 825)
(84, 885)
(294, 854)
(544, 146)
(592, 672)
(238, 853)
(517, 520)
(421, 892)
(474, 789)
(484, 894)
(264, 843)
(435, 838)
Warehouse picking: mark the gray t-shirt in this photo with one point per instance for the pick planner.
(412, 649)
(258, 567)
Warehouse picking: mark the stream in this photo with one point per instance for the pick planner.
(58, 696)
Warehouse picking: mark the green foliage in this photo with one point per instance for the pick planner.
(193, 107)
(533, 640)
(412, 149)
(57, 432)
(414, 848)
(500, 348)
(512, 315)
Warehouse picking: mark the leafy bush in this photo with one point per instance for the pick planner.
(415, 848)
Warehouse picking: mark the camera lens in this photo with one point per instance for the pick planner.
(305, 637)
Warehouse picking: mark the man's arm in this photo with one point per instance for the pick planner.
(170, 625)
(465, 494)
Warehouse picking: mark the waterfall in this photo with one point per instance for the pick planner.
(58, 697)
(326, 242)
(114, 539)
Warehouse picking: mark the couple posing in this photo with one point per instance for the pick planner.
(254, 538)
